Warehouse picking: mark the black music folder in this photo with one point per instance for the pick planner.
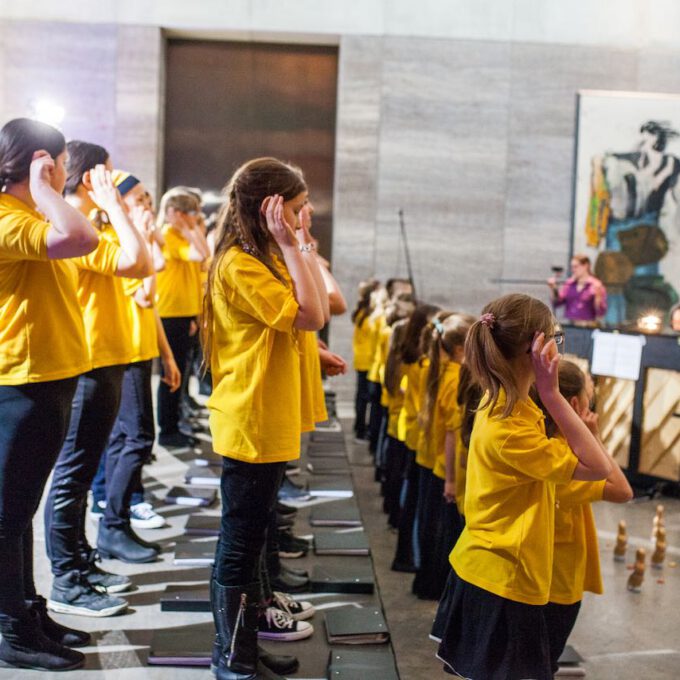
(356, 626)
(180, 495)
(336, 543)
(356, 578)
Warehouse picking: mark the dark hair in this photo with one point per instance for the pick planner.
(662, 130)
(583, 259)
(363, 309)
(391, 283)
(394, 357)
(419, 319)
(504, 332)
(449, 332)
(241, 222)
(468, 398)
(82, 156)
(19, 140)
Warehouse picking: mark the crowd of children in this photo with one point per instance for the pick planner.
(93, 287)
(489, 456)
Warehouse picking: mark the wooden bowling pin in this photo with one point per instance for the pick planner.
(658, 521)
(660, 550)
(638, 576)
(621, 542)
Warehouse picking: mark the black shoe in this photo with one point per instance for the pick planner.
(103, 581)
(68, 637)
(176, 440)
(284, 521)
(73, 594)
(282, 664)
(292, 546)
(406, 567)
(289, 583)
(118, 544)
(286, 510)
(294, 571)
(145, 544)
(235, 613)
(24, 645)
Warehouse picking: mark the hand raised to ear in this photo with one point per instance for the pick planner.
(545, 359)
(280, 230)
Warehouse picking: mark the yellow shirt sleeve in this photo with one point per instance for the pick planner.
(531, 453)
(24, 238)
(579, 492)
(102, 260)
(252, 288)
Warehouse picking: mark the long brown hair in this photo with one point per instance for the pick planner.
(364, 308)
(241, 222)
(421, 316)
(449, 332)
(503, 333)
(468, 398)
(178, 198)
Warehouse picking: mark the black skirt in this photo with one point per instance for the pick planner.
(488, 637)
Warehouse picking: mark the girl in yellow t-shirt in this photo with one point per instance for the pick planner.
(438, 521)
(362, 348)
(252, 318)
(492, 611)
(407, 432)
(121, 253)
(42, 351)
(576, 563)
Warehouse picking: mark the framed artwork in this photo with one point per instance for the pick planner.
(626, 214)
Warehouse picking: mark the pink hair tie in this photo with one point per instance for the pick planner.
(488, 320)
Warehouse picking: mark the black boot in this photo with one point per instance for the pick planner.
(117, 543)
(235, 612)
(24, 645)
(53, 630)
(145, 544)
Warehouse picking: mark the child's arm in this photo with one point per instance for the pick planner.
(71, 234)
(336, 300)
(310, 315)
(134, 261)
(308, 249)
(616, 488)
(450, 465)
(198, 246)
(594, 463)
(171, 373)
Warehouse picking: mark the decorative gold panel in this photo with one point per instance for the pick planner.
(660, 449)
(614, 404)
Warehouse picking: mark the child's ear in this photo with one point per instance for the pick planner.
(86, 182)
(574, 403)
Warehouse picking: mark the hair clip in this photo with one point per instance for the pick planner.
(246, 247)
(438, 326)
(488, 320)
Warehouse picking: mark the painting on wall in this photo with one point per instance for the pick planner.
(627, 198)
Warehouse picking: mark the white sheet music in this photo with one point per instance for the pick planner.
(617, 355)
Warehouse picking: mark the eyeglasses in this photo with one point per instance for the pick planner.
(558, 337)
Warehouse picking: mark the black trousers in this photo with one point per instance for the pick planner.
(169, 403)
(429, 513)
(396, 458)
(375, 418)
(130, 443)
(93, 413)
(249, 492)
(405, 554)
(361, 400)
(560, 619)
(33, 423)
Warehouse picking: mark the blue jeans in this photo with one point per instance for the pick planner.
(34, 421)
(249, 493)
(93, 413)
(130, 443)
(169, 403)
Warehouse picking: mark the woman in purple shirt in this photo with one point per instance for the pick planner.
(584, 295)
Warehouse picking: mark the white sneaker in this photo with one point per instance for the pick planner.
(277, 625)
(142, 516)
(299, 610)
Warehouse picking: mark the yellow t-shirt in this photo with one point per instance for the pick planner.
(447, 416)
(362, 345)
(576, 564)
(144, 334)
(424, 452)
(180, 285)
(313, 399)
(507, 544)
(408, 429)
(377, 324)
(383, 351)
(105, 306)
(395, 404)
(42, 336)
(460, 468)
(255, 361)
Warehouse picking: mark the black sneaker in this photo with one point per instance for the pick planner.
(292, 546)
(68, 637)
(275, 624)
(73, 594)
(300, 611)
(177, 440)
(286, 510)
(101, 580)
